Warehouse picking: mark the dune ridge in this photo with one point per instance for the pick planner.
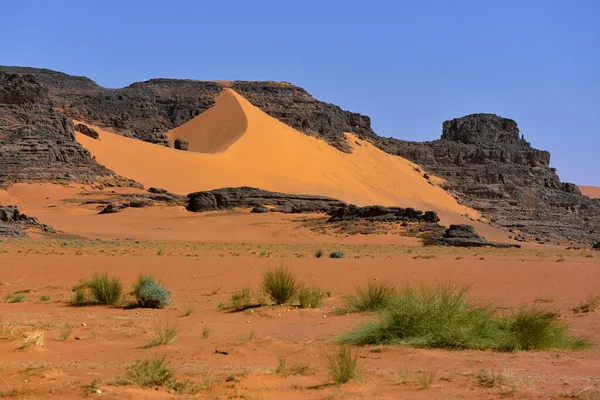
(270, 155)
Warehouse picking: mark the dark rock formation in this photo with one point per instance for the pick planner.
(227, 198)
(111, 209)
(380, 213)
(12, 222)
(463, 236)
(36, 141)
(86, 130)
(596, 246)
(491, 168)
(181, 144)
(260, 210)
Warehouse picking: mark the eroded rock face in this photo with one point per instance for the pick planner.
(228, 198)
(36, 141)
(461, 235)
(493, 169)
(86, 130)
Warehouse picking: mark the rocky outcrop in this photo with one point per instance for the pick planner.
(181, 144)
(119, 201)
(463, 236)
(246, 197)
(596, 246)
(12, 222)
(490, 167)
(86, 130)
(36, 141)
(380, 213)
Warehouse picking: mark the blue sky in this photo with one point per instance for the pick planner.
(409, 65)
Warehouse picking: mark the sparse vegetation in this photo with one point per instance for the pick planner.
(427, 378)
(99, 289)
(375, 296)
(164, 333)
(337, 254)
(65, 331)
(16, 297)
(296, 368)
(30, 339)
(590, 305)
(148, 373)
(343, 365)
(150, 293)
(280, 285)
(241, 299)
(44, 298)
(319, 253)
(505, 381)
(443, 317)
(310, 297)
(189, 309)
(205, 332)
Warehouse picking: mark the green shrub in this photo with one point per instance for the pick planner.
(443, 317)
(150, 292)
(44, 298)
(79, 297)
(337, 254)
(280, 285)
(375, 296)
(16, 298)
(343, 365)
(319, 253)
(164, 334)
(102, 290)
(310, 297)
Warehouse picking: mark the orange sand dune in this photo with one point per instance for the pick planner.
(590, 191)
(215, 129)
(272, 156)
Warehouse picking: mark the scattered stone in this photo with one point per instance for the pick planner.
(260, 210)
(111, 209)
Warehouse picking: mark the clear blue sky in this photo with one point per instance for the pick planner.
(409, 65)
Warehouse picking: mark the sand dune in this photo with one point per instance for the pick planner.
(215, 129)
(590, 191)
(270, 155)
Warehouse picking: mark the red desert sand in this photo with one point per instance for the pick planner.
(590, 191)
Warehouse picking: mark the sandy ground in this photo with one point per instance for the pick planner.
(590, 191)
(204, 258)
(239, 145)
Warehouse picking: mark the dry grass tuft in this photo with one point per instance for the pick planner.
(31, 339)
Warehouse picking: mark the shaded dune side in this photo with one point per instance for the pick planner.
(216, 129)
(273, 156)
(590, 191)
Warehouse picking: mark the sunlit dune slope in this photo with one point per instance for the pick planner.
(215, 129)
(590, 191)
(269, 155)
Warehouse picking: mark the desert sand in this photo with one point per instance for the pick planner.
(590, 191)
(204, 258)
(269, 155)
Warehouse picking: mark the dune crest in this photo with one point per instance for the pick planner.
(270, 155)
(216, 129)
(590, 191)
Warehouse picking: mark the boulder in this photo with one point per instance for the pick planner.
(110, 209)
(181, 144)
(260, 210)
(86, 130)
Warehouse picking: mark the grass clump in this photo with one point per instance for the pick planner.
(148, 373)
(16, 298)
(241, 299)
(65, 331)
(310, 297)
(150, 292)
(164, 334)
(343, 365)
(375, 296)
(337, 254)
(319, 253)
(296, 368)
(99, 289)
(280, 285)
(44, 298)
(443, 317)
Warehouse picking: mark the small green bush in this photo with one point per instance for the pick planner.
(44, 298)
(150, 293)
(310, 297)
(319, 253)
(241, 299)
(16, 298)
(165, 333)
(102, 290)
(79, 297)
(337, 254)
(280, 285)
(343, 365)
(375, 296)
